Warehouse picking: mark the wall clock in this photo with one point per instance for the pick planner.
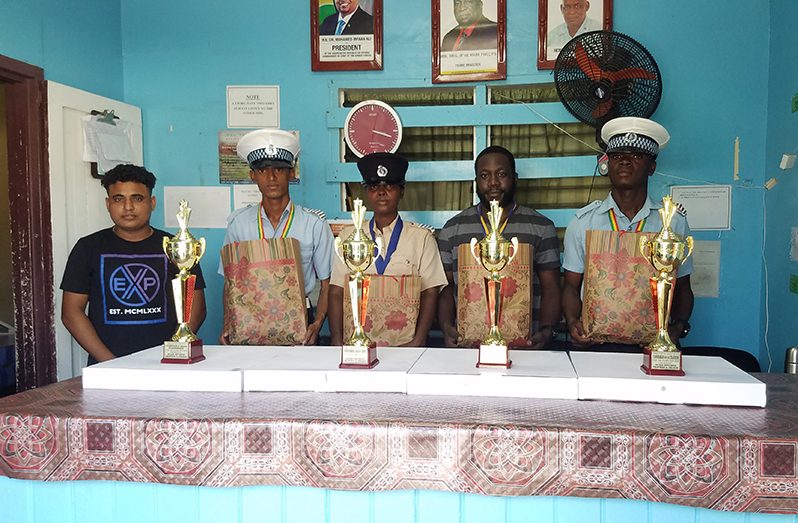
(372, 126)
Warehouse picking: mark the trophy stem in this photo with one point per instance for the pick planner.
(662, 356)
(662, 289)
(493, 288)
(183, 288)
(493, 349)
(359, 295)
(359, 351)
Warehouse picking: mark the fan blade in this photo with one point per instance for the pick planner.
(588, 66)
(602, 109)
(630, 73)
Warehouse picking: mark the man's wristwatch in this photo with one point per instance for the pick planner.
(685, 326)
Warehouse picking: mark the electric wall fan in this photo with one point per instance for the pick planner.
(601, 75)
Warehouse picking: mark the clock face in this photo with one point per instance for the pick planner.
(372, 127)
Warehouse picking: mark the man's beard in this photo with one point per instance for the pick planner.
(506, 199)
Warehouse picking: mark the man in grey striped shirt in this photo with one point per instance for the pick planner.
(496, 179)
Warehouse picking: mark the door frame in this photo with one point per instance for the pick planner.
(31, 231)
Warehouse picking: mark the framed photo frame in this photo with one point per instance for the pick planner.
(469, 40)
(345, 35)
(561, 20)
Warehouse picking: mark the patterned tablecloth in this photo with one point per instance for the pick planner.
(740, 459)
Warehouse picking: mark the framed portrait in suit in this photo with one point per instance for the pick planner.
(561, 20)
(345, 35)
(469, 40)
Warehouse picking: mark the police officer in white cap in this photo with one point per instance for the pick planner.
(271, 155)
(632, 148)
(409, 251)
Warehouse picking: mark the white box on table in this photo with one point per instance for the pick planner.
(219, 372)
(533, 374)
(707, 380)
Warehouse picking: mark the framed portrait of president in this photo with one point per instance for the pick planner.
(469, 40)
(345, 35)
(561, 20)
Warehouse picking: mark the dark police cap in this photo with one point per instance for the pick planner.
(387, 168)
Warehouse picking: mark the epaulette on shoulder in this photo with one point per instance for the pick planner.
(233, 215)
(424, 226)
(681, 209)
(587, 208)
(317, 212)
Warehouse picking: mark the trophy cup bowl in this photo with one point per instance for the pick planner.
(494, 253)
(665, 252)
(357, 254)
(184, 252)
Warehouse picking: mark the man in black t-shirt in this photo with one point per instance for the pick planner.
(123, 275)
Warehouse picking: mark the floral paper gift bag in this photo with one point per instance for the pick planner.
(617, 303)
(473, 321)
(264, 292)
(391, 309)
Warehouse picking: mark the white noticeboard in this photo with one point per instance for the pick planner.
(210, 206)
(253, 106)
(705, 280)
(708, 206)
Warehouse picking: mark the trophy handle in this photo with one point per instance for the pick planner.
(476, 256)
(165, 243)
(201, 247)
(514, 243)
(338, 248)
(378, 244)
(689, 241)
(643, 244)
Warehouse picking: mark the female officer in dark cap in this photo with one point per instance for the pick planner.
(403, 292)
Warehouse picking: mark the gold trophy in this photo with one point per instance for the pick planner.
(666, 252)
(493, 253)
(357, 253)
(184, 251)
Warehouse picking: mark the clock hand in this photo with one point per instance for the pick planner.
(381, 133)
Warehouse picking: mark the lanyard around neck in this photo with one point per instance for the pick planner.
(381, 263)
(287, 227)
(615, 227)
(502, 226)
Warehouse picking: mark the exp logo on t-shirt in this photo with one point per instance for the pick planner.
(133, 289)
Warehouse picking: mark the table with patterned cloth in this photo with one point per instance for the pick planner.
(736, 459)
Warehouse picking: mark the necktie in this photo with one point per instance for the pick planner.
(340, 28)
(460, 39)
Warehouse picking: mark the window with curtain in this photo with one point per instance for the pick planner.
(456, 143)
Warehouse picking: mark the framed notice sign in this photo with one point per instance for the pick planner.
(468, 40)
(345, 35)
(253, 106)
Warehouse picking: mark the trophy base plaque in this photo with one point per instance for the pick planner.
(182, 352)
(359, 357)
(662, 363)
(494, 356)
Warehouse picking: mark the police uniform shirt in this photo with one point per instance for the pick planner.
(314, 236)
(416, 253)
(595, 216)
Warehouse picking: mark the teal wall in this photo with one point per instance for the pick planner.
(77, 43)
(782, 201)
(722, 79)
(179, 56)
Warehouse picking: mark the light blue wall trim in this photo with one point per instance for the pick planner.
(464, 170)
(24, 501)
